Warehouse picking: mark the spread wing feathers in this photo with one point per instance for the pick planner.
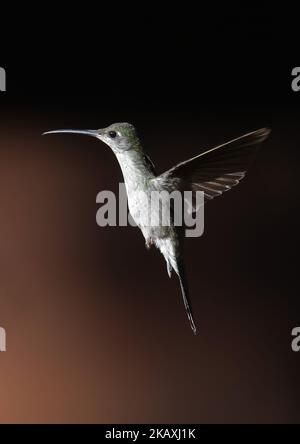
(216, 170)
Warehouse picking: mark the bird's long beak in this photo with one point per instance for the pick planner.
(93, 133)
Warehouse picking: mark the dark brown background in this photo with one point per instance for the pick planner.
(96, 331)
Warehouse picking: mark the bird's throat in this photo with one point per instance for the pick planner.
(135, 168)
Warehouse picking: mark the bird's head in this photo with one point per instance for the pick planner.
(120, 137)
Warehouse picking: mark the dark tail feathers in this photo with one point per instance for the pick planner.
(186, 296)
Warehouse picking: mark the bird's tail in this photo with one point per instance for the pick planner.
(185, 295)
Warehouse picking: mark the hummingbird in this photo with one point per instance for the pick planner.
(212, 172)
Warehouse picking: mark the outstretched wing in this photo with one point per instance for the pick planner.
(216, 170)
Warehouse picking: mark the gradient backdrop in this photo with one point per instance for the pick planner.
(96, 331)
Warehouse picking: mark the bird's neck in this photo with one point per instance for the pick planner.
(136, 168)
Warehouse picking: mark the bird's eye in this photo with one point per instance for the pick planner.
(112, 134)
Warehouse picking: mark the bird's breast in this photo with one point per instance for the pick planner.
(138, 203)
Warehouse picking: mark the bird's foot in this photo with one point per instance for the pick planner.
(149, 243)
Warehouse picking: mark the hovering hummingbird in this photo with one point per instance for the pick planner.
(212, 172)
